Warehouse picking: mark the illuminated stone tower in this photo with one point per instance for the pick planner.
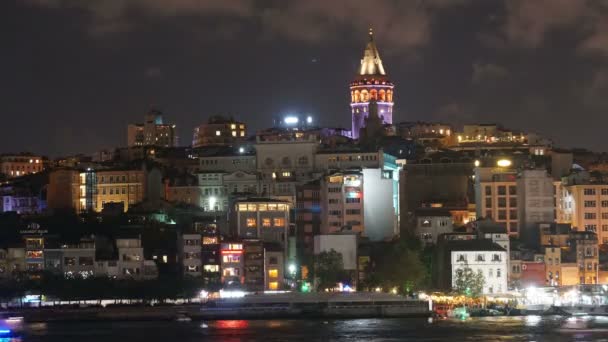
(371, 82)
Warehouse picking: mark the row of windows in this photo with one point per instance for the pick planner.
(117, 179)
(263, 207)
(116, 191)
(593, 204)
(22, 167)
(478, 257)
(501, 190)
(591, 191)
(502, 202)
(287, 161)
(502, 214)
(266, 222)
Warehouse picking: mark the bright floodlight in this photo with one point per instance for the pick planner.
(292, 268)
(290, 120)
(309, 119)
(241, 150)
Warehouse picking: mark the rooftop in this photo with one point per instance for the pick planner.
(474, 245)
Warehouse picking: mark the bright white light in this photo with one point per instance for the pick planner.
(203, 294)
(241, 150)
(232, 294)
(212, 201)
(290, 120)
(292, 268)
(477, 163)
(503, 163)
(309, 119)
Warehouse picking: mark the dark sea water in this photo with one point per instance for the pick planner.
(531, 328)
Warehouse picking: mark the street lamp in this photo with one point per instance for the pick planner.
(292, 269)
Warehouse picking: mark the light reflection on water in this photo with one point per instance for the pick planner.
(528, 328)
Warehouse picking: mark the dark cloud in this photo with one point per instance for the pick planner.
(404, 25)
(487, 72)
(86, 68)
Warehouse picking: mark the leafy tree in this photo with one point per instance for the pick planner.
(329, 269)
(468, 282)
(398, 264)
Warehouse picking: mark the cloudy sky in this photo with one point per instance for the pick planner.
(73, 73)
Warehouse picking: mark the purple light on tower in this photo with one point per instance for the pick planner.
(371, 82)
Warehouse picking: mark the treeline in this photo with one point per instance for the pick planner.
(55, 288)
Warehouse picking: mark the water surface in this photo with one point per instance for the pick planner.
(530, 328)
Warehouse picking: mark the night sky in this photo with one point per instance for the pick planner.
(74, 73)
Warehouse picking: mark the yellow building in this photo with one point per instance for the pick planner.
(569, 274)
(496, 196)
(127, 186)
(585, 207)
(115, 186)
(20, 165)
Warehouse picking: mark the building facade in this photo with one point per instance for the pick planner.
(496, 196)
(219, 131)
(480, 256)
(153, 132)
(20, 165)
(585, 207)
(342, 202)
(263, 219)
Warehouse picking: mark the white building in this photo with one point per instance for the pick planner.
(213, 193)
(480, 255)
(379, 212)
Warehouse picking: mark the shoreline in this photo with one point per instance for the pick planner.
(200, 313)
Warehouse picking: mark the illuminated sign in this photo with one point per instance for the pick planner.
(232, 251)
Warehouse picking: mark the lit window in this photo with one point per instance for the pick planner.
(218, 133)
(250, 222)
(273, 273)
(231, 258)
(286, 174)
(234, 133)
(279, 222)
(265, 222)
(242, 133)
(273, 285)
(233, 126)
(209, 240)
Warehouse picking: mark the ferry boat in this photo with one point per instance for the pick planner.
(10, 325)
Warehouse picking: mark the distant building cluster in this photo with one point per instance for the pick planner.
(243, 210)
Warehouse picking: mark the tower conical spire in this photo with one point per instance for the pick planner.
(371, 64)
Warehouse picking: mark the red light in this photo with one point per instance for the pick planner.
(232, 324)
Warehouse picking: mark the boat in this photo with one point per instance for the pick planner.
(183, 317)
(460, 312)
(583, 310)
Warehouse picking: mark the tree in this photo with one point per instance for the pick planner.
(397, 265)
(468, 282)
(329, 269)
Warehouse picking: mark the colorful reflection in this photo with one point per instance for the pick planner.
(232, 324)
